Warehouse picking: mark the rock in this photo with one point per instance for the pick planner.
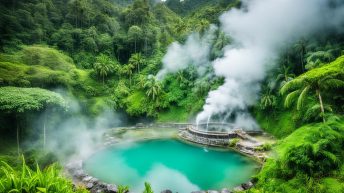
(166, 191)
(89, 185)
(102, 185)
(238, 188)
(247, 185)
(79, 174)
(93, 180)
(110, 188)
(87, 178)
(212, 191)
(225, 190)
(199, 191)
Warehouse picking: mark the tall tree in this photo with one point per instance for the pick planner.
(103, 65)
(137, 60)
(284, 75)
(134, 34)
(301, 48)
(21, 100)
(298, 89)
(153, 87)
(128, 69)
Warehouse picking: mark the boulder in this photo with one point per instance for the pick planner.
(110, 188)
(166, 191)
(212, 191)
(225, 190)
(238, 189)
(247, 185)
(87, 178)
(89, 185)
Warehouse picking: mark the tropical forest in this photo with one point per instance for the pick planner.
(171, 96)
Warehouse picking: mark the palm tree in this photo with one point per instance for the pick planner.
(128, 69)
(141, 81)
(103, 66)
(137, 60)
(267, 99)
(202, 26)
(301, 48)
(284, 75)
(316, 59)
(153, 87)
(299, 88)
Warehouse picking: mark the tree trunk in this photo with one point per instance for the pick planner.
(18, 148)
(301, 58)
(135, 45)
(321, 105)
(44, 130)
(103, 80)
(118, 52)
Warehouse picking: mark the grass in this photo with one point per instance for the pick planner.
(279, 123)
(174, 114)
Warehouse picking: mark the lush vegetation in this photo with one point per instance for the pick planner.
(24, 179)
(106, 54)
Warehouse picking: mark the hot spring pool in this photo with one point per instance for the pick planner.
(169, 164)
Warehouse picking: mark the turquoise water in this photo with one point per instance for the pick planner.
(169, 164)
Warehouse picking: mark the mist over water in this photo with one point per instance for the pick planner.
(75, 134)
(259, 30)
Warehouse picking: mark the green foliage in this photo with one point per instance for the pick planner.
(123, 189)
(103, 65)
(307, 156)
(33, 181)
(45, 56)
(148, 188)
(264, 147)
(233, 142)
(137, 60)
(18, 100)
(173, 114)
(279, 123)
(267, 99)
(153, 88)
(318, 81)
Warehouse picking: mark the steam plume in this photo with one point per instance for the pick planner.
(259, 29)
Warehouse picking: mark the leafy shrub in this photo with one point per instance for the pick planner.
(123, 189)
(264, 147)
(148, 188)
(33, 181)
(233, 142)
(309, 155)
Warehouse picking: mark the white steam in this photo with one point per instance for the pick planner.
(195, 51)
(259, 29)
(74, 135)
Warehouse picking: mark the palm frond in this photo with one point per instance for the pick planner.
(291, 85)
(332, 83)
(291, 97)
(302, 98)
